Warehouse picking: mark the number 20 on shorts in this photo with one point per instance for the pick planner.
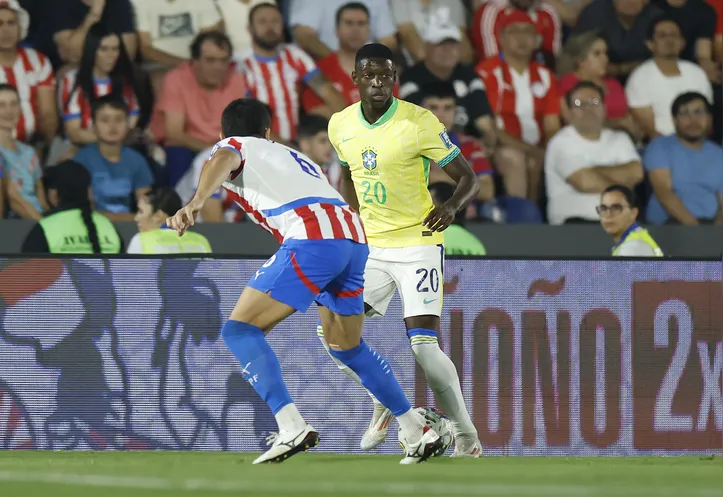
(374, 192)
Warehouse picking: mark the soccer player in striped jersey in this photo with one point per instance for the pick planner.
(386, 145)
(321, 259)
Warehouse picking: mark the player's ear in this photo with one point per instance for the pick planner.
(353, 78)
(268, 133)
(220, 135)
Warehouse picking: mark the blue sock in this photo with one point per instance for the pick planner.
(259, 364)
(376, 376)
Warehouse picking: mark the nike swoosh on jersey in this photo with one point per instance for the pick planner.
(430, 301)
(347, 139)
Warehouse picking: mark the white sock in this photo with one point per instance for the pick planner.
(290, 419)
(378, 406)
(411, 425)
(442, 378)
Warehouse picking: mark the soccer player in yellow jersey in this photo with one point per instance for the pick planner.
(386, 146)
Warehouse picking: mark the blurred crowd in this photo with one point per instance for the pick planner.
(551, 101)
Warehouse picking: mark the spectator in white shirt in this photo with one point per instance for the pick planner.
(654, 85)
(313, 24)
(584, 158)
(237, 13)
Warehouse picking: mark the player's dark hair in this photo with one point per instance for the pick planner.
(374, 51)
(688, 97)
(444, 191)
(439, 89)
(72, 181)
(582, 85)
(660, 19)
(626, 192)
(350, 6)
(108, 101)
(165, 199)
(245, 117)
(310, 125)
(264, 5)
(9, 87)
(216, 37)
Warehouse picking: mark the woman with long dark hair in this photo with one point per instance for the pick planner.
(72, 227)
(105, 68)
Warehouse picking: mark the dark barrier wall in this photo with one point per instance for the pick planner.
(556, 357)
(247, 239)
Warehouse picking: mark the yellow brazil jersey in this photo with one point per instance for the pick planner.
(389, 162)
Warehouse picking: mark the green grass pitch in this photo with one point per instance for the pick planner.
(197, 474)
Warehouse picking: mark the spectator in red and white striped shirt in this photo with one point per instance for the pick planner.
(524, 96)
(275, 72)
(30, 72)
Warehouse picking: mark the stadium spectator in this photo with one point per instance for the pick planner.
(624, 24)
(313, 139)
(415, 17)
(490, 17)
(718, 39)
(653, 86)
(441, 100)
(237, 13)
(72, 227)
(685, 169)
(187, 116)
(585, 56)
(352, 28)
(457, 240)
(524, 96)
(313, 25)
(697, 21)
(154, 237)
(21, 171)
(118, 172)
(618, 216)
(167, 27)
(275, 72)
(442, 64)
(585, 158)
(60, 27)
(29, 72)
(105, 69)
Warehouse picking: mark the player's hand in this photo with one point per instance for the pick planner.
(440, 217)
(184, 218)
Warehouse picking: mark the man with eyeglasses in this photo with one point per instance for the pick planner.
(584, 159)
(686, 169)
(618, 217)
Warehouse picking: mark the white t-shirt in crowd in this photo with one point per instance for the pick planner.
(649, 87)
(236, 14)
(567, 153)
(172, 26)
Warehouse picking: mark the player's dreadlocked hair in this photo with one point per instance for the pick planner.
(374, 51)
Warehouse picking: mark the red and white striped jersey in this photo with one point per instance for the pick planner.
(485, 29)
(520, 101)
(32, 70)
(277, 82)
(75, 105)
(285, 193)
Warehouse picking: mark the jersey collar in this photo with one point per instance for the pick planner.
(385, 117)
(626, 233)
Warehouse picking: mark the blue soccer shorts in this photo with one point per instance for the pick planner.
(329, 272)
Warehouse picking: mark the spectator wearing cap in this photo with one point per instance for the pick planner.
(442, 65)
(654, 85)
(276, 72)
(685, 169)
(21, 171)
(415, 17)
(490, 17)
(30, 72)
(618, 217)
(313, 25)
(585, 158)
(352, 29)
(524, 96)
(187, 116)
(441, 100)
(72, 227)
(457, 240)
(624, 24)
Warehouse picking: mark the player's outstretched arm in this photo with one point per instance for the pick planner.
(214, 173)
(467, 189)
(347, 188)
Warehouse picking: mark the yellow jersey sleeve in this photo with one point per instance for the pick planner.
(434, 142)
